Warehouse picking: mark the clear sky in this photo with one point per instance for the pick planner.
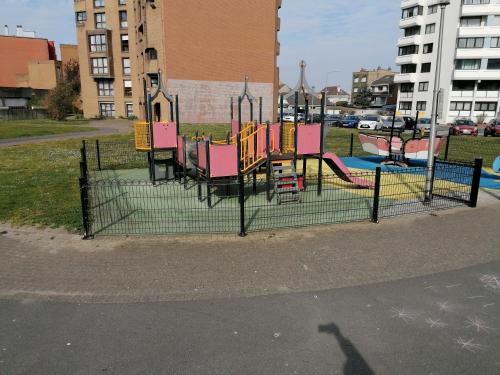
(330, 35)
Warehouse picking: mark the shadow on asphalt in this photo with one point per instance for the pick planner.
(355, 363)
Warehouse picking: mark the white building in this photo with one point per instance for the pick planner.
(470, 72)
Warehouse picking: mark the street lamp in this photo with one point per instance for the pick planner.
(435, 97)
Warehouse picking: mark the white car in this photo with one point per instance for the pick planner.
(399, 124)
(291, 118)
(370, 122)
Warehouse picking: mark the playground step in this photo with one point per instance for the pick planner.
(278, 168)
(285, 175)
(286, 184)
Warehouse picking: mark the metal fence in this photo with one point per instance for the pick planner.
(12, 114)
(118, 198)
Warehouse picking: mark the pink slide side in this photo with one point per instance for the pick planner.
(340, 169)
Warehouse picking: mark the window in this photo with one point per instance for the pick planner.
(485, 106)
(129, 109)
(153, 79)
(470, 21)
(126, 66)
(122, 2)
(410, 31)
(405, 106)
(412, 12)
(468, 64)
(426, 68)
(432, 9)
(493, 64)
(124, 42)
(421, 106)
(100, 20)
(460, 106)
(470, 42)
(98, 3)
(152, 54)
(100, 65)
(463, 85)
(495, 43)
(81, 17)
(97, 43)
(408, 50)
(107, 109)
(475, 2)
(428, 48)
(127, 87)
(488, 86)
(356, 89)
(123, 19)
(363, 79)
(105, 87)
(430, 28)
(408, 68)
(423, 86)
(407, 87)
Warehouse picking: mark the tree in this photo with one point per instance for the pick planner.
(364, 97)
(61, 100)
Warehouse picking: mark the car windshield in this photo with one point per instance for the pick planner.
(398, 119)
(352, 118)
(371, 118)
(424, 121)
(464, 122)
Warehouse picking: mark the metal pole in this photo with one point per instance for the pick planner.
(232, 109)
(321, 144)
(260, 110)
(476, 180)
(98, 151)
(268, 162)
(447, 150)
(351, 147)
(295, 126)
(437, 81)
(392, 134)
(281, 122)
(207, 155)
(415, 127)
(239, 113)
(241, 185)
(376, 194)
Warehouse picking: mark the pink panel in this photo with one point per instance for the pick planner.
(276, 136)
(397, 145)
(202, 155)
(223, 161)
(165, 135)
(235, 127)
(308, 139)
(180, 150)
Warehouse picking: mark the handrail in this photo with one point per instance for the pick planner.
(252, 152)
(141, 136)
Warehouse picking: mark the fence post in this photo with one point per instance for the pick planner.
(476, 180)
(241, 185)
(448, 139)
(376, 195)
(98, 152)
(352, 145)
(84, 197)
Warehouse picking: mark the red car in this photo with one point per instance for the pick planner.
(493, 128)
(464, 127)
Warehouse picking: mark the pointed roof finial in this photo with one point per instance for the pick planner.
(302, 86)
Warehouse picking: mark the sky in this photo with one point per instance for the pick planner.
(334, 37)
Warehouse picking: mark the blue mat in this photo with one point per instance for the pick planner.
(488, 180)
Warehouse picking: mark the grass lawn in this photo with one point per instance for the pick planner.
(27, 128)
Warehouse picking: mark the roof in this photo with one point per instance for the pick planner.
(385, 80)
(334, 90)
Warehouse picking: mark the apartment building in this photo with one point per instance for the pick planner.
(470, 69)
(203, 49)
(364, 78)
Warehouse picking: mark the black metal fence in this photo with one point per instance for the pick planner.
(117, 197)
(12, 114)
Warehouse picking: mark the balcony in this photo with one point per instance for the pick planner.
(405, 78)
(461, 94)
(487, 94)
(480, 10)
(473, 75)
(412, 21)
(407, 59)
(411, 3)
(478, 31)
(478, 53)
(408, 40)
(405, 95)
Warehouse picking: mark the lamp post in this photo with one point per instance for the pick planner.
(435, 97)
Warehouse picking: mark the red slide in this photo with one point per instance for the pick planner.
(339, 168)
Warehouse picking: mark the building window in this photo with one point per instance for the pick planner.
(81, 17)
(495, 42)
(126, 66)
(153, 80)
(407, 87)
(124, 42)
(122, 2)
(105, 87)
(470, 42)
(493, 64)
(356, 80)
(405, 106)
(151, 54)
(123, 19)
(475, 2)
(356, 89)
(428, 48)
(127, 87)
(98, 3)
(423, 86)
(468, 64)
(432, 9)
(100, 20)
(408, 68)
(460, 106)
(100, 65)
(426, 68)
(430, 28)
(470, 21)
(412, 12)
(421, 106)
(488, 86)
(410, 31)
(485, 106)
(463, 85)
(129, 109)
(97, 43)
(107, 109)
(408, 50)
(363, 79)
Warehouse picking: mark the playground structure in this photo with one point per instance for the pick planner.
(249, 147)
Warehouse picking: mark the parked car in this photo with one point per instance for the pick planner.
(493, 128)
(425, 124)
(464, 127)
(333, 120)
(370, 122)
(409, 122)
(350, 121)
(291, 118)
(399, 123)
